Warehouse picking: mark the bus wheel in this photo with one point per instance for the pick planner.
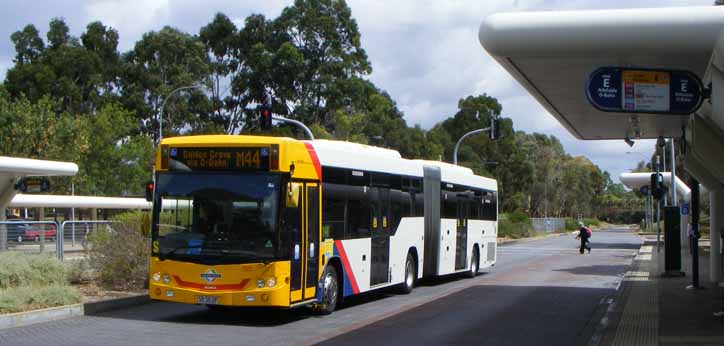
(329, 291)
(474, 264)
(410, 271)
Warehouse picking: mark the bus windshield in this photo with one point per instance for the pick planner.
(217, 218)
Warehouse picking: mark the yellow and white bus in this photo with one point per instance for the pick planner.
(279, 222)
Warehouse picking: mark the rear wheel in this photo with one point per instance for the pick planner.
(330, 291)
(474, 264)
(410, 275)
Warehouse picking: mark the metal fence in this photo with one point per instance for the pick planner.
(77, 235)
(71, 237)
(550, 224)
(29, 236)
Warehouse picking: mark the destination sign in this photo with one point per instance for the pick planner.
(33, 185)
(254, 158)
(636, 90)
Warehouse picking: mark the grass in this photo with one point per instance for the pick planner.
(31, 298)
(30, 282)
(21, 270)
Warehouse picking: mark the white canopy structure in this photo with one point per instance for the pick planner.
(53, 201)
(18, 167)
(552, 55)
(637, 180)
(12, 168)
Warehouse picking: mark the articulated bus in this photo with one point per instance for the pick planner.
(279, 222)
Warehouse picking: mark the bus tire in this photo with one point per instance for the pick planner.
(474, 263)
(330, 291)
(410, 277)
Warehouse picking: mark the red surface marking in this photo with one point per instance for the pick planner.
(347, 267)
(210, 287)
(315, 159)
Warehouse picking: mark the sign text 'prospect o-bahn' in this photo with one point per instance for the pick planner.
(269, 221)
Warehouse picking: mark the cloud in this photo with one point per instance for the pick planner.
(131, 18)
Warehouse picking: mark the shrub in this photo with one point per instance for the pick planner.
(519, 217)
(26, 270)
(79, 270)
(120, 255)
(591, 222)
(514, 230)
(571, 224)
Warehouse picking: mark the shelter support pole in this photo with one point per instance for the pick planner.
(684, 227)
(716, 205)
(695, 229)
(7, 192)
(41, 235)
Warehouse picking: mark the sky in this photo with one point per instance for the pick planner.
(424, 53)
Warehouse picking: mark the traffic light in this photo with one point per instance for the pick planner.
(657, 185)
(149, 190)
(265, 118)
(494, 129)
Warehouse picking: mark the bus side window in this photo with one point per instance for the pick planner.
(333, 211)
(359, 219)
(292, 226)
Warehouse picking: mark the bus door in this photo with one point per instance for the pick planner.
(304, 241)
(461, 241)
(381, 223)
(294, 225)
(312, 241)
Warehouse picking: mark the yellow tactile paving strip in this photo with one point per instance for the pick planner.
(639, 323)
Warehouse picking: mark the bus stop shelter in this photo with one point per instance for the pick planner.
(552, 54)
(13, 168)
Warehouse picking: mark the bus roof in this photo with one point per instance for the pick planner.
(352, 156)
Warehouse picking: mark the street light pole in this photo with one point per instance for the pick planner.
(295, 122)
(457, 145)
(163, 104)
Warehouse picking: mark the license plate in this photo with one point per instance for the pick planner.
(211, 300)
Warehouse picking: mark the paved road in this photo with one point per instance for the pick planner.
(541, 292)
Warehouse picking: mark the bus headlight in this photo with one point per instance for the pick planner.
(157, 277)
(166, 279)
(260, 283)
(271, 282)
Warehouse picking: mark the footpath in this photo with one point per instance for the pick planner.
(655, 310)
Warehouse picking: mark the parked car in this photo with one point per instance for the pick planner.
(16, 231)
(20, 232)
(33, 232)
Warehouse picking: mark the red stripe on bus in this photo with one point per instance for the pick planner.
(347, 267)
(315, 159)
(210, 287)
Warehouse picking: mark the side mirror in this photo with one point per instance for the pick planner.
(292, 198)
(149, 191)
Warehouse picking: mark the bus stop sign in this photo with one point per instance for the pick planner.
(639, 90)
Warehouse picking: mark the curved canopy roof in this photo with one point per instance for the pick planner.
(18, 167)
(552, 54)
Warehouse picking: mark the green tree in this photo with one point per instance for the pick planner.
(158, 64)
(80, 76)
(114, 163)
(327, 37)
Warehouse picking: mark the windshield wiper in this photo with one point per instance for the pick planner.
(164, 255)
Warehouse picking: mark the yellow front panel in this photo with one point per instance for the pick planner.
(234, 284)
